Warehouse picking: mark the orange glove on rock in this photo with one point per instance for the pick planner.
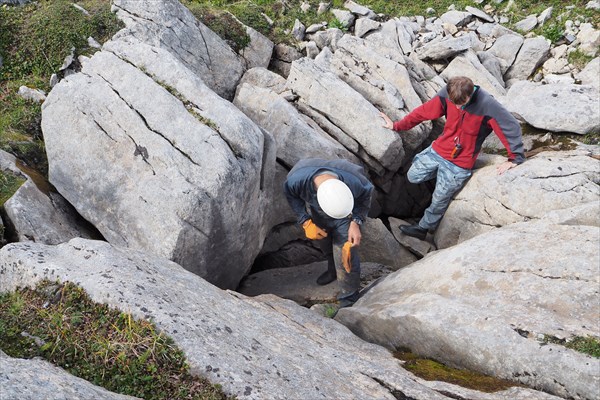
(312, 231)
(346, 256)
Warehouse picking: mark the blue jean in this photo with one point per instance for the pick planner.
(337, 235)
(450, 179)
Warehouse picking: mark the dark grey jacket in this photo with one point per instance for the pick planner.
(300, 189)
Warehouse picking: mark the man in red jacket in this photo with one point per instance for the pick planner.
(471, 115)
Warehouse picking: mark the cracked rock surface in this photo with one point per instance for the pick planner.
(550, 182)
(146, 152)
(483, 303)
(257, 348)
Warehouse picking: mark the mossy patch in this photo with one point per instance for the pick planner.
(61, 324)
(434, 371)
(9, 183)
(587, 345)
(222, 23)
(34, 41)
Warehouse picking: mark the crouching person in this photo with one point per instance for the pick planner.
(331, 199)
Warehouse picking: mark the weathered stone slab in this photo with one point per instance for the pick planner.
(256, 348)
(169, 25)
(157, 152)
(484, 303)
(556, 180)
(37, 379)
(560, 107)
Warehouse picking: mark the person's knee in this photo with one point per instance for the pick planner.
(415, 175)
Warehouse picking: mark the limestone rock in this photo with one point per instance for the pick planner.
(325, 93)
(171, 26)
(296, 137)
(37, 212)
(556, 180)
(37, 379)
(283, 56)
(457, 18)
(498, 292)
(359, 10)
(527, 24)
(533, 52)
(468, 64)
(556, 108)
(479, 14)
(153, 140)
(590, 75)
(364, 26)
(35, 95)
(506, 48)
(446, 48)
(589, 39)
(255, 348)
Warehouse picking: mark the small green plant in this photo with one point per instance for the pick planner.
(588, 345)
(552, 32)
(223, 24)
(336, 23)
(330, 310)
(590, 138)
(60, 323)
(579, 59)
(34, 41)
(9, 184)
(38, 36)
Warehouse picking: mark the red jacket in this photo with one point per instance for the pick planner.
(469, 126)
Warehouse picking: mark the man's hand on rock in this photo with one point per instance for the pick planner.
(389, 124)
(505, 166)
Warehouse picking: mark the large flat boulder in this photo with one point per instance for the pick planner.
(487, 303)
(156, 160)
(560, 107)
(256, 348)
(549, 181)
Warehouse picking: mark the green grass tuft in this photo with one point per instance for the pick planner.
(587, 345)
(99, 344)
(9, 184)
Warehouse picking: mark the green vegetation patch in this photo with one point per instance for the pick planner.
(37, 37)
(434, 371)
(579, 59)
(284, 13)
(61, 324)
(34, 41)
(222, 23)
(588, 345)
(9, 184)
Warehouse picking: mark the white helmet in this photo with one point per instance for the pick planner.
(335, 198)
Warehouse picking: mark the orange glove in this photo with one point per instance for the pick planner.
(312, 231)
(346, 256)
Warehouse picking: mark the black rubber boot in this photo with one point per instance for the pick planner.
(414, 231)
(348, 301)
(327, 277)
